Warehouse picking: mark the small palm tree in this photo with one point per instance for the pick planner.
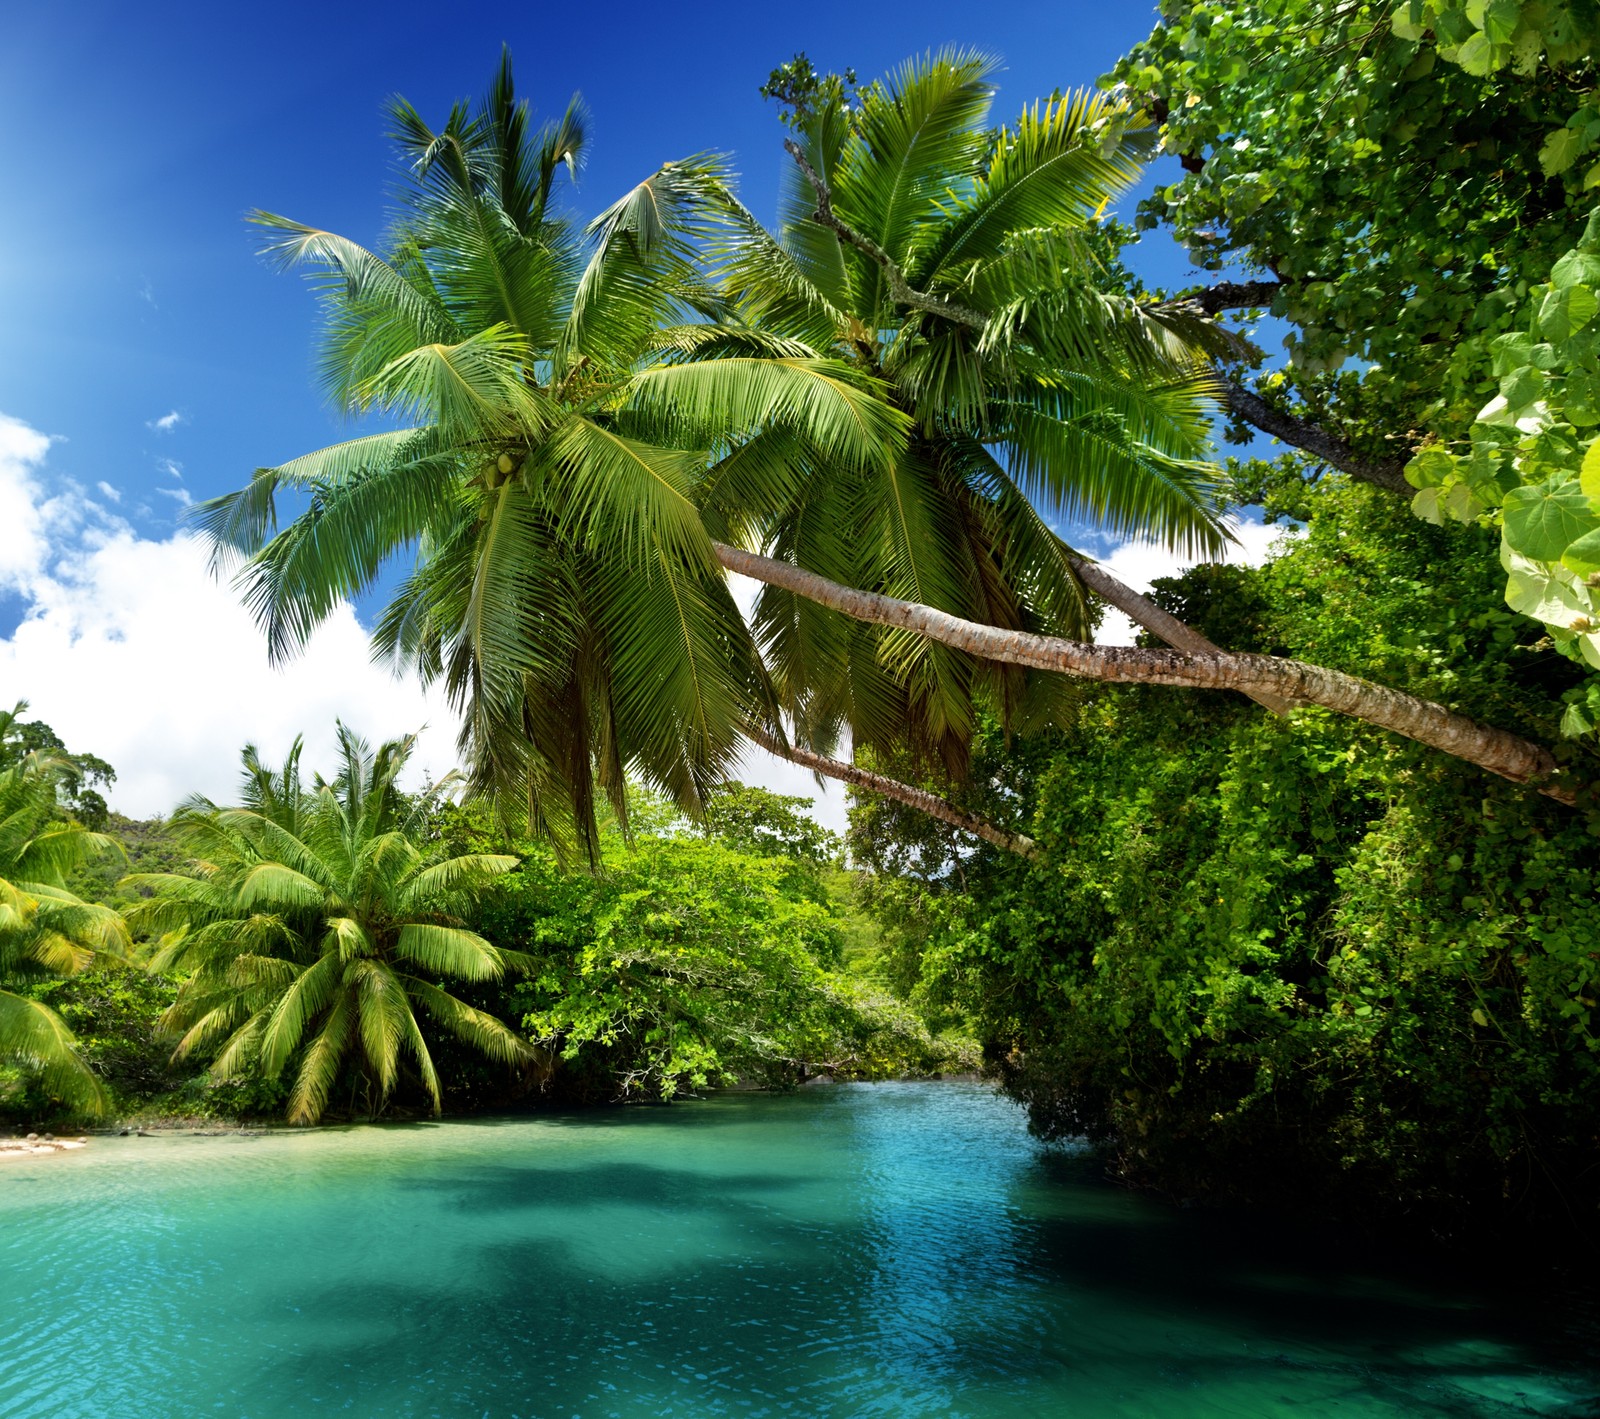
(313, 928)
(46, 931)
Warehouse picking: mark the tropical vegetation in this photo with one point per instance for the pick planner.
(315, 927)
(45, 930)
(1256, 948)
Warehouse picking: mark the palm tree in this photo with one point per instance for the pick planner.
(894, 397)
(953, 264)
(948, 262)
(46, 931)
(564, 586)
(312, 928)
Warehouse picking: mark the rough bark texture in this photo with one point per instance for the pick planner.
(920, 799)
(1385, 473)
(1499, 752)
(1142, 611)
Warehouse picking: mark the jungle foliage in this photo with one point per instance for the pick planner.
(1415, 186)
(1288, 960)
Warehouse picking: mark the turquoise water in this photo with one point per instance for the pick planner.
(871, 1250)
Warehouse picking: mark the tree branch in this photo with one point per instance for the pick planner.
(1385, 473)
(1496, 750)
(1227, 295)
(920, 799)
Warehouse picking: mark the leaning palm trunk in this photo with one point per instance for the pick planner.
(1292, 681)
(919, 798)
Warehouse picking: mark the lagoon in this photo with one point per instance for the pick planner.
(899, 1249)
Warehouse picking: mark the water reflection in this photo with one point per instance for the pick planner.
(890, 1250)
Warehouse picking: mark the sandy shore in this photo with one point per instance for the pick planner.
(36, 1147)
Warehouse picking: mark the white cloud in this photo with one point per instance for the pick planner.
(166, 423)
(24, 546)
(132, 650)
(180, 496)
(1139, 563)
(171, 467)
(107, 491)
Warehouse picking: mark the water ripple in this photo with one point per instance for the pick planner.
(888, 1250)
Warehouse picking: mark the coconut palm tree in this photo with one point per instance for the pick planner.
(953, 265)
(895, 396)
(314, 928)
(581, 401)
(564, 586)
(46, 931)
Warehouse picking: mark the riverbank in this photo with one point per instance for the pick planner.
(36, 1145)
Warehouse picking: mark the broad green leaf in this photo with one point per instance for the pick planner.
(1431, 467)
(1426, 506)
(1583, 555)
(1574, 722)
(1544, 520)
(1407, 22)
(1521, 387)
(1477, 56)
(1563, 313)
(1575, 268)
(1499, 19)
(1560, 150)
(1589, 476)
(1549, 594)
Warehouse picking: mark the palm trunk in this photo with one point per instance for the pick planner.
(1142, 611)
(920, 799)
(1293, 681)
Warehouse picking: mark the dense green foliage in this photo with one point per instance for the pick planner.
(728, 954)
(1292, 960)
(1416, 177)
(80, 777)
(687, 962)
(45, 930)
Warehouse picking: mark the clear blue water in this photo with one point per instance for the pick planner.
(873, 1250)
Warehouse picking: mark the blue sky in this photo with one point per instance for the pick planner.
(141, 135)
(164, 361)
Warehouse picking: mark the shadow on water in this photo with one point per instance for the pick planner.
(898, 1252)
(802, 1315)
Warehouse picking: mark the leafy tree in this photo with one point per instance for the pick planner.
(45, 930)
(956, 264)
(1296, 962)
(1412, 183)
(683, 963)
(314, 928)
(81, 775)
(757, 821)
(843, 251)
(565, 587)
